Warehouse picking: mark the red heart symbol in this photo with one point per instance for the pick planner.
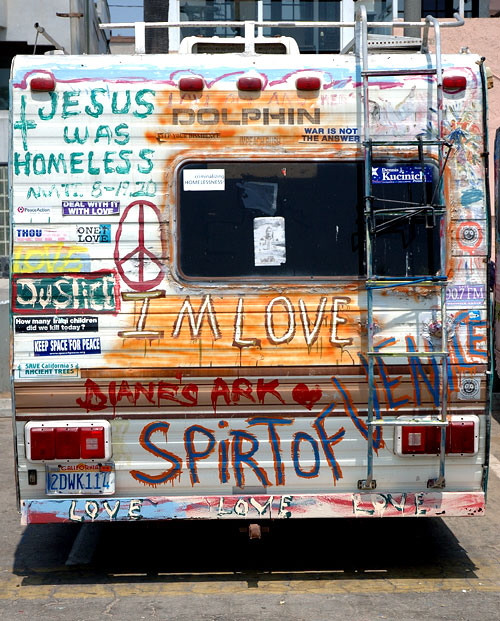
(306, 396)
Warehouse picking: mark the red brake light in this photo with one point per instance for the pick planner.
(191, 83)
(42, 440)
(461, 438)
(67, 442)
(92, 444)
(453, 84)
(420, 440)
(44, 83)
(308, 83)
(249, 83)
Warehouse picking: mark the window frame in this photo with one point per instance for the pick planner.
(275, 279)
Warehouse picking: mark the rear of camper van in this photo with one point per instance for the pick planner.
(250, 285)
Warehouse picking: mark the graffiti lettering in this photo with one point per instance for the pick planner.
(80, 162)
(51, 258)
(72, 103)
(263, 506)
(241, 452)
(69, 293)
(265, 116)
(279, 311)
(93, 510)
(378, 504)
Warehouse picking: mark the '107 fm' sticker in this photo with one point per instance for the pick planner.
(464, 296)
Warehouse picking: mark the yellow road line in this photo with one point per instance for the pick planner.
(16, 588)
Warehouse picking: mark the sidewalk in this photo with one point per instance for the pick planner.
(5, 407)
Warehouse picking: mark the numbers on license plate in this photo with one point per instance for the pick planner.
(78, 482)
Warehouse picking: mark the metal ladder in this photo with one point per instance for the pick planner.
(399, 212)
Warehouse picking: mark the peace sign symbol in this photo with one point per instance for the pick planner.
(140, 261)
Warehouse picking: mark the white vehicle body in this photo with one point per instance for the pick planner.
(250, 286)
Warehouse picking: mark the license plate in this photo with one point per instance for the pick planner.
(80, 479)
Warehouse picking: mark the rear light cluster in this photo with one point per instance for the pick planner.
(462, 438)
(454, 84)
(43, 83)
(308, 83)
(250, 83)
(68, 440)
(191, 83)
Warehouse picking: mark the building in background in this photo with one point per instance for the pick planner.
(309, 41)
(71, 26)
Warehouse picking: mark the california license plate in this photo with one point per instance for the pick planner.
(80, 479)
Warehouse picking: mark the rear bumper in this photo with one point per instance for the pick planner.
(259, 507)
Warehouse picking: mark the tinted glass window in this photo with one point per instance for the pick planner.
(406, 230)
(271, 219)
(305, 220)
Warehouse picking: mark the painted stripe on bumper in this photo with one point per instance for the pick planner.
(369, 504)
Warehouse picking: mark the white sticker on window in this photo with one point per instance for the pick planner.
(204, 179)
(269, 241)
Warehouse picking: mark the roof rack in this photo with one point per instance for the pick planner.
(249, 29)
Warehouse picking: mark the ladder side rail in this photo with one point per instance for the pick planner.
(442, 356)
(361, 38)
(441, 481)
(422, 168)
(370, 429)
(439, 86)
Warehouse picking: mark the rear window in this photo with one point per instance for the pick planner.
(300, 219)
(405, 228)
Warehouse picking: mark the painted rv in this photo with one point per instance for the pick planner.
(251, 285)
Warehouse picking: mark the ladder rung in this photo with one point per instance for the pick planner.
(406, 143)
(407, 423)
(438, 281)
(389, 72)
(389, 284)
(411, 354)
(409, 211)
